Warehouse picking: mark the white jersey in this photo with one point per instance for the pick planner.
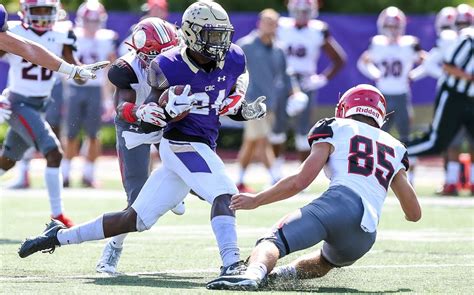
(302, 45)
(28, 79)
(142, 89)
(92, 50)
(365, 159)
(394, 61)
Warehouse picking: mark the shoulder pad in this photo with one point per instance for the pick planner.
(286, 21)
(322, 129)
(106, 34)
(409, 40)
(318, 25)
(379, 40)
(14, 25)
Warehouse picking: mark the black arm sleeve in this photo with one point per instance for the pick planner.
(121, 75)
(405, 161)
(322, 129)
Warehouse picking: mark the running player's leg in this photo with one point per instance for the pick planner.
(92, 124)
(204, 172)
(303, 124)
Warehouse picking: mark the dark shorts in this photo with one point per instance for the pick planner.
(28, 128)
(84, 110)
(54, 108)
(334, 218)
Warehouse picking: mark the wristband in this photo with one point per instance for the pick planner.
(67, 69)
(127, 112)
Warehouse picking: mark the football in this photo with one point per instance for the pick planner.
(163, 100)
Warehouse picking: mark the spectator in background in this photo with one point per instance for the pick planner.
(266, 64)
(85, 105)
(303, 38)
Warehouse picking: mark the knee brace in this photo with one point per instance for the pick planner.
(220, 206)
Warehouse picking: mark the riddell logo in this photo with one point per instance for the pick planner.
(368, 111)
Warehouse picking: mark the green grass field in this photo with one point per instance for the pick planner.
(179, 254)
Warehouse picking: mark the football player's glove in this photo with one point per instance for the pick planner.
(179, 103)
(313, 82)
(297, 102)
(5, 111)
(231, 104)
(254, 110)
(151, 113)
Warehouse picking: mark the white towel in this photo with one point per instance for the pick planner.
(133, 139)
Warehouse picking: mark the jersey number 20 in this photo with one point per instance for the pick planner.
(26, 74)
(362, 150)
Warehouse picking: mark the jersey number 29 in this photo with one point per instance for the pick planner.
(361, 159)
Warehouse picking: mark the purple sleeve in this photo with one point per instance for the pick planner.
(3, 19)
(156, 78)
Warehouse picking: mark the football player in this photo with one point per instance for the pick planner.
(303, 38)
(38, 54)
(151, 36)
(214, 70)
(362, 162)
(388, 61)
(30, 86)
(85, 102)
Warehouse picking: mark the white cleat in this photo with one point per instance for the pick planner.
(109, 260)
(179, 209)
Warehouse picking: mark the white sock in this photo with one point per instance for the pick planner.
(256, 270)
(117, 241)
(88, 171)
(66, 168)
(452, 172)
(2, 171)
(241, 175)
(276, 167)
(23, 168)
(90, 231)
(411, 177)
(472, 173)
(226, 235)
(54, 184)
(285, 272)
(274, 177)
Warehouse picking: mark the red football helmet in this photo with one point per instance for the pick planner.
(151, 37)
(445, 19)
(465, 16)
(392, 22)
(91, 13)
(303, 10)
(42, 20)
(365, 100)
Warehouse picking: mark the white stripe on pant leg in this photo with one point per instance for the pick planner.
(424, 146)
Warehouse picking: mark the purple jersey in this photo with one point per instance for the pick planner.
(3, 19)
(173, 67)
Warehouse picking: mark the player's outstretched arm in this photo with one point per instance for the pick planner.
(288, 186)
(406, 196)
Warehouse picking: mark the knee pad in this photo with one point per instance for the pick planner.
(220, 206)
(277, 138)
(301, 143)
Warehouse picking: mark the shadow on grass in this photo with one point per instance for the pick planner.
(158, 280)
(9, 242)
(350, 290)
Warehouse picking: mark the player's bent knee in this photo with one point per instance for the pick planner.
(6, 163)
(140, 225)
(53, 158)
(220, 206)
(277, 238)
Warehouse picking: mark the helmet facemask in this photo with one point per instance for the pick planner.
(42, 17)
(211, 41)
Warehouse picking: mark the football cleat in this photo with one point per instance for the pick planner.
(179, 209)
(236, 268)
(20, 183)
(64, 220)
(234, 282)
(448, 190)
(472, 188)
(244, 188)
(109, 259)
(88, 183)
(66, 182)
(46, 242)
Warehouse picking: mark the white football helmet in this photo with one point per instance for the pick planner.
(445, 19)
(392, 22)
(464, 17)
(207, 29)
(303, 10)
(39, 21)
(91, 15)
